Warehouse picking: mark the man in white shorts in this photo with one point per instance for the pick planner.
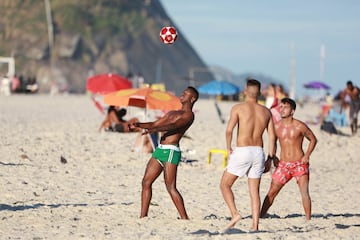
(247, 161)
(251, 119)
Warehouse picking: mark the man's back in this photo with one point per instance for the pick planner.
(248, 157)
(252, 119)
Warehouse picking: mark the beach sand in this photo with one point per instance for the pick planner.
(96, 193)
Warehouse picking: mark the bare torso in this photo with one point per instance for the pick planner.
(290, 138)
(353, 93)
(173, 136)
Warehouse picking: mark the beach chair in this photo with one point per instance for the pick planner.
(218, 151)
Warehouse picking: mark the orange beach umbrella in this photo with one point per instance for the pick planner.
(143, 97)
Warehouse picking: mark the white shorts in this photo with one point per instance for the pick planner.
(247, 161)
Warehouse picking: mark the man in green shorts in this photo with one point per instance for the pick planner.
(167, 155)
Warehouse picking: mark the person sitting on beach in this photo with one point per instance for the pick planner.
(167, 155)
(250, 119)
(293, 161)
(146, 143)
(115, 122)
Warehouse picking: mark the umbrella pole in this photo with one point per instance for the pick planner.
(218, 110)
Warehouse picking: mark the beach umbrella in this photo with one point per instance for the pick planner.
(144, 98)
(217, 87)
(106, 83)
(317, 85)
(98, 105)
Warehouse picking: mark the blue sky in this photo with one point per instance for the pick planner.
(255, 36)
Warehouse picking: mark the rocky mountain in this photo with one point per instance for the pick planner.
(63, 42)
(221, 73)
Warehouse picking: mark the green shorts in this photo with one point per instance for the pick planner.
(167, 153)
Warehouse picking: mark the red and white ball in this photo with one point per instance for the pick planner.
(168, 35)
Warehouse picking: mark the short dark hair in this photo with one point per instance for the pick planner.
(122, 112)
(349, 83)
(111, 108)
(195, 91)
(253, 82)
(289, 101)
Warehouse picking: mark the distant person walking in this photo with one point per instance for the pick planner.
(293, 161)
(280, 92)
(274, 93)
(251, 120)
(350, 95)
(270, 96)
(275, 108)
(167, 155)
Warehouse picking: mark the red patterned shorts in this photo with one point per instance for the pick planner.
(287, 170)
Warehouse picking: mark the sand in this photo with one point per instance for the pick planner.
(96, 193)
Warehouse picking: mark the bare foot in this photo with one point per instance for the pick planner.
(232, 223)
(253, 230)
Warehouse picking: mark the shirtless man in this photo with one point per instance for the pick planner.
(351, 95)
(251, 120)
(167, 155)
(293, 161)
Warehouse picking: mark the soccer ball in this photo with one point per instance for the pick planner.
(168, 35)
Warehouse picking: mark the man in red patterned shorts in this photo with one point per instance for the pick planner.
(293, 161)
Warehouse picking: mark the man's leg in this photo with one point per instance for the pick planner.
(274, 190)
(153, 170)
(352, 126)
(357, 109)
(305, 196)
(354, 112)
(170, 171)
(355, 125)
(254, 184)
(227, 181)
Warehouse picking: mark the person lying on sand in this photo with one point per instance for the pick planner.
(115, 122)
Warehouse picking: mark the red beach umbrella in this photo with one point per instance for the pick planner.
(106, 83)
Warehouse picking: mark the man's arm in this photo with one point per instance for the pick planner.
(309, 135)
(230, 128)
(272, 138)
(169, 121)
